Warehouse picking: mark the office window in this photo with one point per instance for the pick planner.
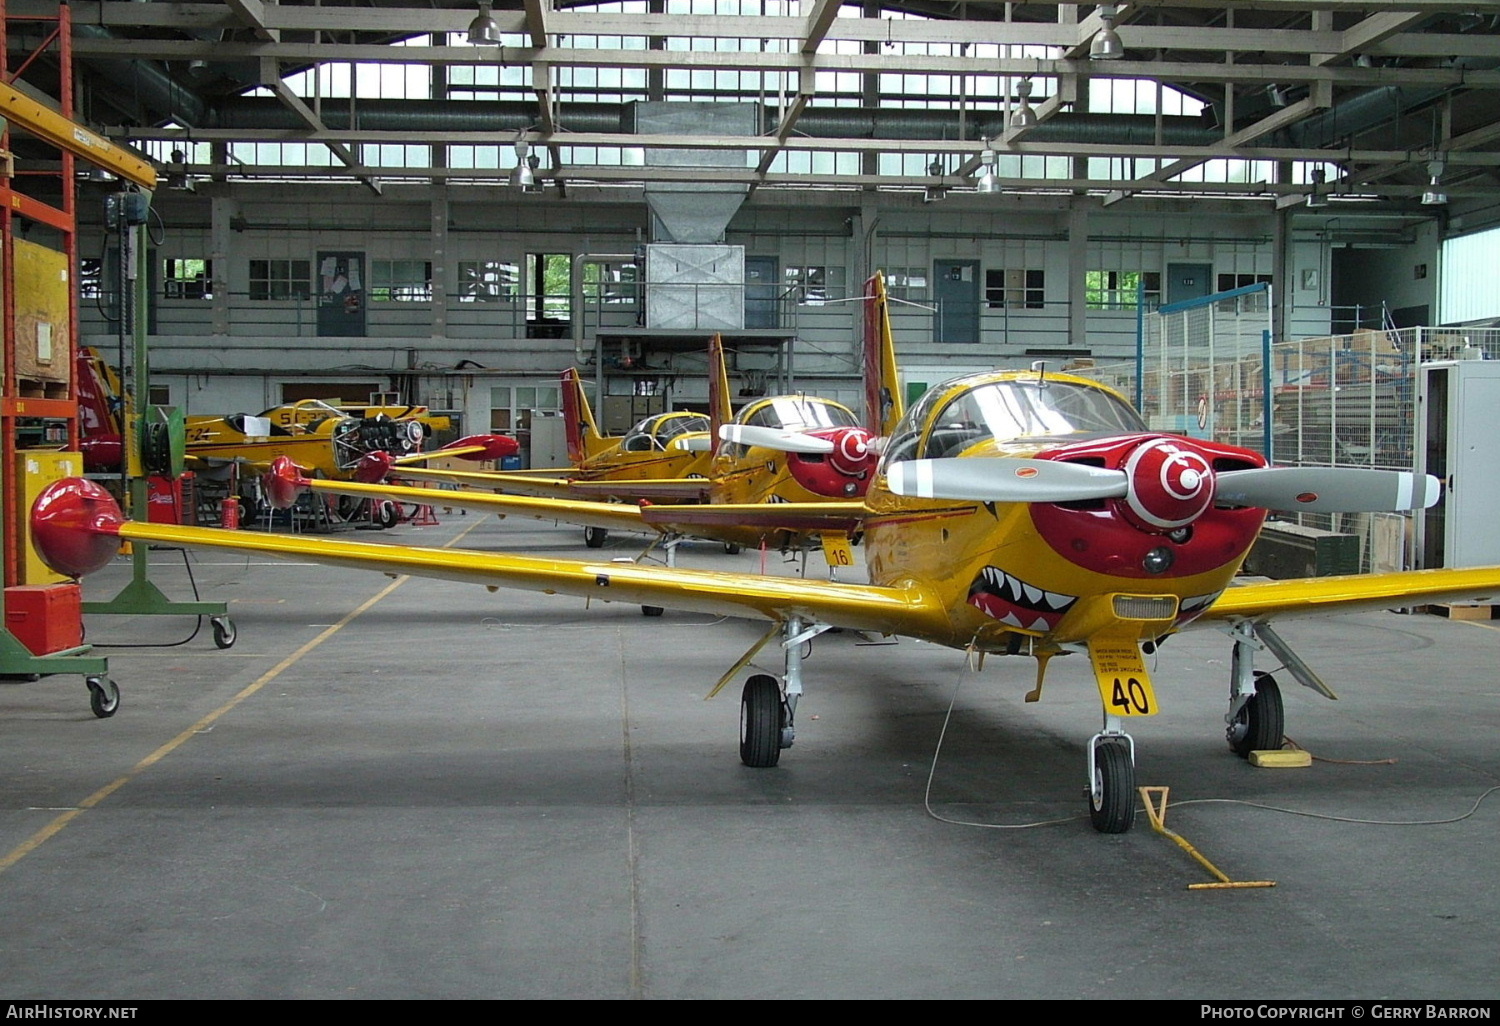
(280, 279)
(186, 278)
(814, 286)
(400, 281)
(1119, 290)
(1239, 281)
(1015, 289)
(488, 281)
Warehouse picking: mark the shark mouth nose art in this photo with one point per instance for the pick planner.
(1015, 603)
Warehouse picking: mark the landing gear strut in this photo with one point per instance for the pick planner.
(767, 707)
(1256, 718)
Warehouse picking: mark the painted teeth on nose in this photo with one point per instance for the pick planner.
(1041, 625)
(1033, 595)
(1059, 603)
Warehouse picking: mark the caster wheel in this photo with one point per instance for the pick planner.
(104, 696)
(224, 631)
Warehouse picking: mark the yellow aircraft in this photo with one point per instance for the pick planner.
(326, 441)
(779, 453)
(1014, 513)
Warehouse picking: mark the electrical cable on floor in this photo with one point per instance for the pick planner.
(943, 733)
(1342, 819)
(198, 620)
(932, 772)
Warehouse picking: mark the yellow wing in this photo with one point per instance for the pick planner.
(800, 517)
(1323, 596)
(518, 483)
(910, 610)
(608, 515)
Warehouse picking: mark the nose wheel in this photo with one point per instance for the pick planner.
(1112, 794)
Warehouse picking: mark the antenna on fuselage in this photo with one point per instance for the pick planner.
(1040, 366)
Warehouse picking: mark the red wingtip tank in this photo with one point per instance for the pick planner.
(75, 525)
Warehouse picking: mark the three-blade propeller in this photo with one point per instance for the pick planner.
(1310, 489)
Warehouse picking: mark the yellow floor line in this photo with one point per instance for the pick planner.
(51, 830)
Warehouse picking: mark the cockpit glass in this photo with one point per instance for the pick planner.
(671, 427)
(1010, 410)
(800, 413)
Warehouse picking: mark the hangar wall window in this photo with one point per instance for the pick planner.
(187, 278)
(400, 281)
(488, 281)
(1466, 271)
(280, 279)
(610, 283)
(1226, 282)
(1119, 290)
(1015, 289)
(909, 283)
(814, 286)
(90, 279)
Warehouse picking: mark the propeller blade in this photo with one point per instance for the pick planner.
(1002, 479)
(774, 438)
(1327, 489)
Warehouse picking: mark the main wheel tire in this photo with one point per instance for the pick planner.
(104, 696)
(594, 537)
(761, 719)
(387, 515)
(731, 548)
(1261, 723)
(1112, 801)
(652, 610)
(224, 631)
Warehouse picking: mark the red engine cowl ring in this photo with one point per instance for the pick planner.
(843, 473)
(1171, 484)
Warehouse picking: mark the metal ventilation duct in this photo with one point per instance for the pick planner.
(689, 211)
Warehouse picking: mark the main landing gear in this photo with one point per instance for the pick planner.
(1256, 719)
(767, 706)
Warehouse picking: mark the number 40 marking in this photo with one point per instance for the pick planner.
(1130, 697)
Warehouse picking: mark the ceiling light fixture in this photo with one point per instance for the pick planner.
(1435, 196)
(483, 31)
(1106, 45)
(524, 176)
(1317, 198)
(989, 182)
(177, 179)
(1023, 116)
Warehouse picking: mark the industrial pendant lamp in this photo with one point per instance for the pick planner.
(524, 176)
(1435, 196)
(989, 182)
(1106, 45)
(1023, 116)
(482, 30)
(1317, 198)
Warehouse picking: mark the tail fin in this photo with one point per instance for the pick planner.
(720, 410)
(583, 434)
(884, 404)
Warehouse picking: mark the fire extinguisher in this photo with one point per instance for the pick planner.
(229, 514)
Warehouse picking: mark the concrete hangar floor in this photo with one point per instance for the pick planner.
(415, 789)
